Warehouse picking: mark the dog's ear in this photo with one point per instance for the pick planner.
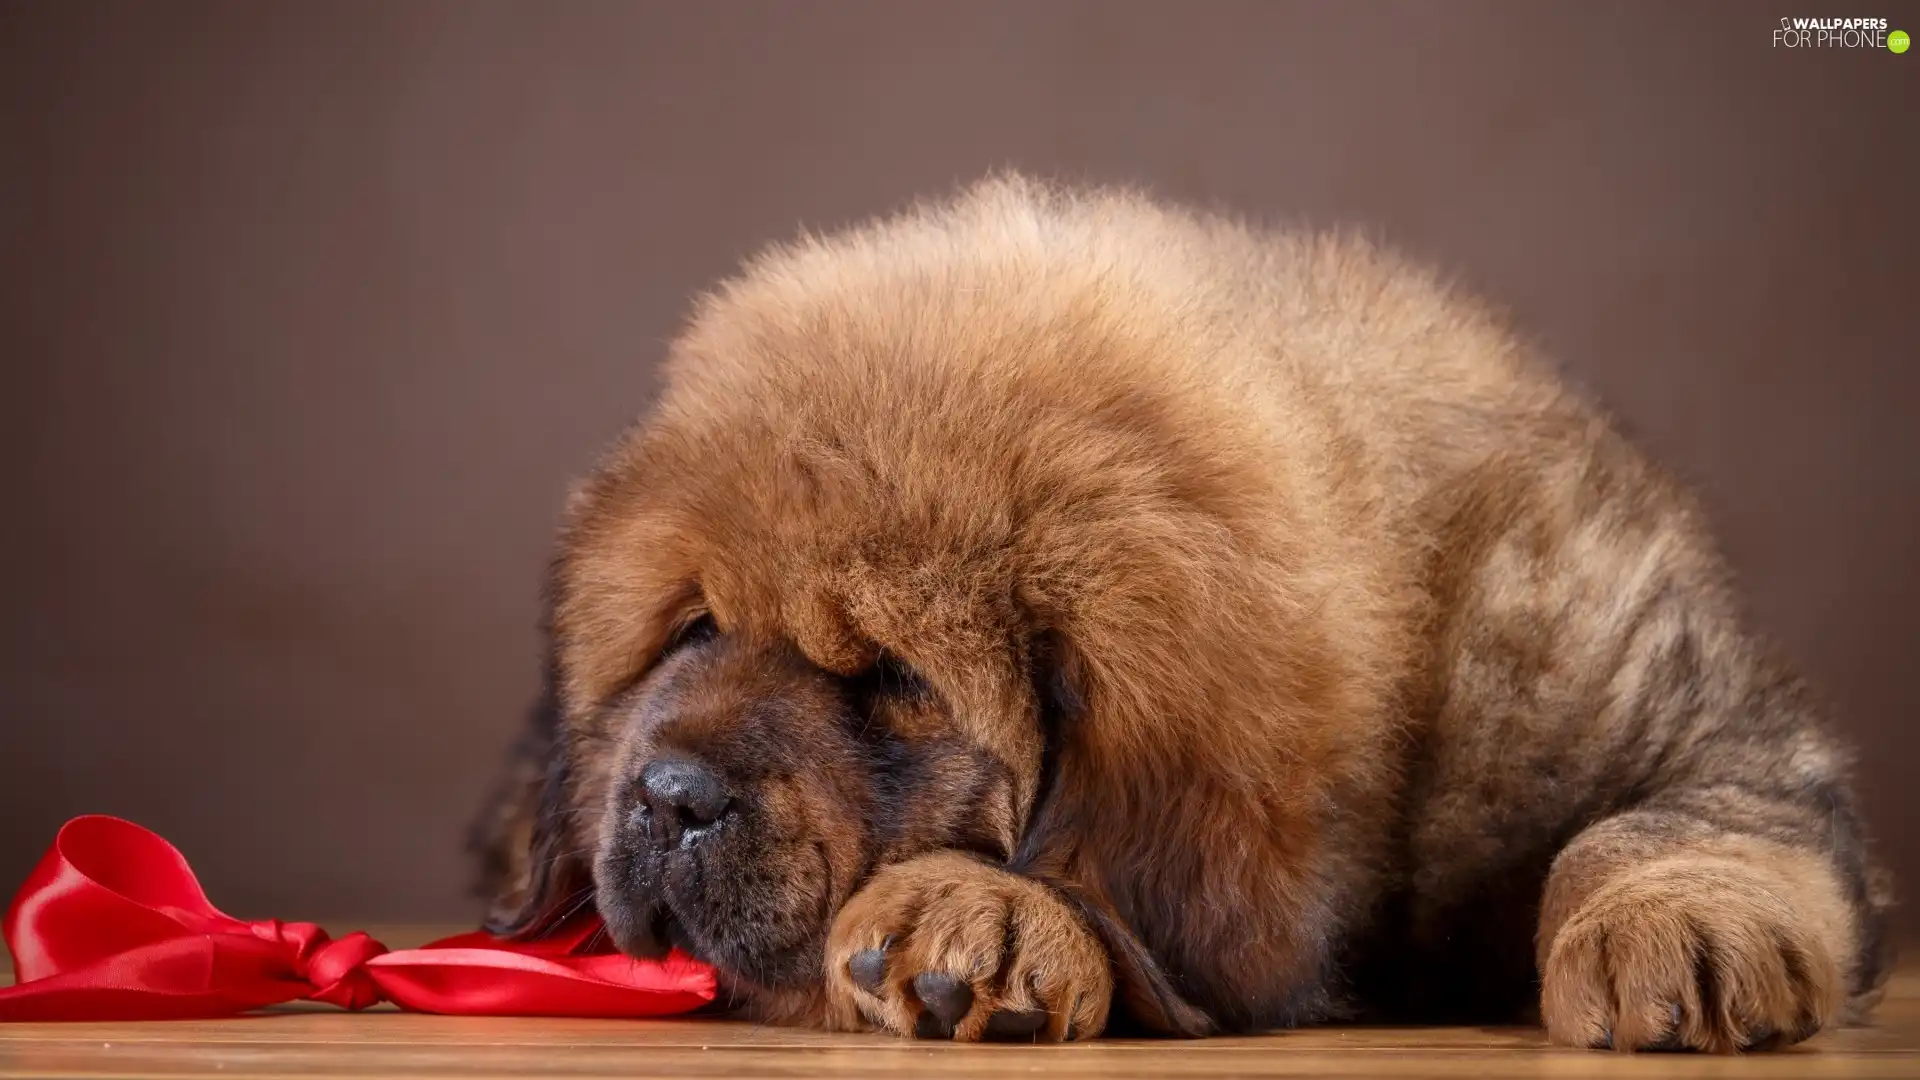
(1148, 1001)
(532, 873)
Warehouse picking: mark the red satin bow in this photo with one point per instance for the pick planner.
(112, 925)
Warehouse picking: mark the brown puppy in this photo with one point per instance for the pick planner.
(1046, 610)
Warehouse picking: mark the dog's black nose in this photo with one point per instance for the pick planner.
(683, 799)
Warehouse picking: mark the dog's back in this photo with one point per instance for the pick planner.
(1539, 612)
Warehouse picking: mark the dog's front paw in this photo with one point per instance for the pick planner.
(944, 946)
(1688, 955)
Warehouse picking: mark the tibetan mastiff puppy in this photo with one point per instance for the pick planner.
(1047, 612)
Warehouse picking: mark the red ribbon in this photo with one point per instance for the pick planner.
(112, 925)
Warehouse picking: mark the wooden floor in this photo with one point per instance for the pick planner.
(307, 1042)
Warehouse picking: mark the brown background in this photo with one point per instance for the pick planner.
(308, 312)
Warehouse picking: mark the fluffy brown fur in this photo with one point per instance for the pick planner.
(1049, 611)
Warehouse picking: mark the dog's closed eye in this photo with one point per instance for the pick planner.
(892, 677)
(893, 697)
(698, 629)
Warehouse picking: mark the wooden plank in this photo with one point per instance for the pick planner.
(306, 1041)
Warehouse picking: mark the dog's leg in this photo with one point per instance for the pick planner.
(1710, 917)
(946, 946)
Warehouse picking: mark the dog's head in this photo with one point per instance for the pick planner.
(905, 515)
(755, 704)
(805, 622)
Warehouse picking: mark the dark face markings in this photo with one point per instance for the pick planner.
(748, 793)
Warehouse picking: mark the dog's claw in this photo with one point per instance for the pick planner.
(869, 969)
(945, 997)
(1008, 1024)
